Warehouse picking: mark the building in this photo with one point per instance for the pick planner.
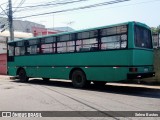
(21, 26)
(4, 37)
(22, 29)
(156, 40)
(62, 29)
(42, 31)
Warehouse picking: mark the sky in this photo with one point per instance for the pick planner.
(145, 11)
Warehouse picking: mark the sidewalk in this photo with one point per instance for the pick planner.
(6, 77)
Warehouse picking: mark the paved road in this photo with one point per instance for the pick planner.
(37, 95)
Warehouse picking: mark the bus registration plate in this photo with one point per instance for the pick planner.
(145, 69)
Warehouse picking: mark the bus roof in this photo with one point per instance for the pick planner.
(64, 33)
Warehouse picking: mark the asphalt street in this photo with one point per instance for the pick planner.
(38, 95)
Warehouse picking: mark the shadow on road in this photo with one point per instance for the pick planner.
(126, 90)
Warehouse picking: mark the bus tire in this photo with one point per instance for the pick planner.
(45, 79)
(79, 79)
(99, 83)
(22, 75)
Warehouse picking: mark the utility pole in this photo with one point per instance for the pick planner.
(53, 21)
(10, 20)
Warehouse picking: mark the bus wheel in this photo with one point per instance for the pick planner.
(79, 79)
(22, 76)
(46, 79)
(99, 83)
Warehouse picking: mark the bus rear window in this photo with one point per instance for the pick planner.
(143, 37)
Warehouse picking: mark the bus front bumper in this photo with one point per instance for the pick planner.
(140, 75)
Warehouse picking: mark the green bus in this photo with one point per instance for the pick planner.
(104, 54)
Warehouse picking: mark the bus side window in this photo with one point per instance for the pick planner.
(10, 50)
(114, 42)
(110, 42)
(33, 49)
(33, 46)
(67, 46)
(123, 41)
(19, 51)
(47, 48)
(87, 45)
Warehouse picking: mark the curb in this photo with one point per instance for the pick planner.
(135, 85)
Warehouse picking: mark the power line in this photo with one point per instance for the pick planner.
(43, 5)
(3, 11)
(4, 3)
(79, 8)
(25, 8)
(21, 3)
(136, 3)
(50, 4)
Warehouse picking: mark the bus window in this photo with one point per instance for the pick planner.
(93, 33)
(10, 50)
(114, 30)
(142, 37)
(47, 48)
(33, 42)
(70, 46)
(48, 40)
(121, 29)
(33, 49)
(66, 46)
(64, 37)
(111, 31)
(110, 42)
(19, 51)
(123, 41)
(83, 35)
(88, 34)
(20, 43)
(86, 44)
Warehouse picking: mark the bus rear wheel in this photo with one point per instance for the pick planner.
(79, 79)
(22, 75)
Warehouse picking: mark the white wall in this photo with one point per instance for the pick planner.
(3, 46)
(4, 36)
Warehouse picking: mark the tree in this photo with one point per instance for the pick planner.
(158, 29)
(155, 30)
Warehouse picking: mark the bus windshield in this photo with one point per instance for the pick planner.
(142, 37)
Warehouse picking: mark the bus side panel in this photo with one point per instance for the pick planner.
(99, 58)
(102, 73)
(106, 73)
(48, 72)
(11, 69)
(144, 58)
(115, 68)
(101, 64)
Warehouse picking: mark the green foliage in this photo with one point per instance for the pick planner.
(155, 30)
